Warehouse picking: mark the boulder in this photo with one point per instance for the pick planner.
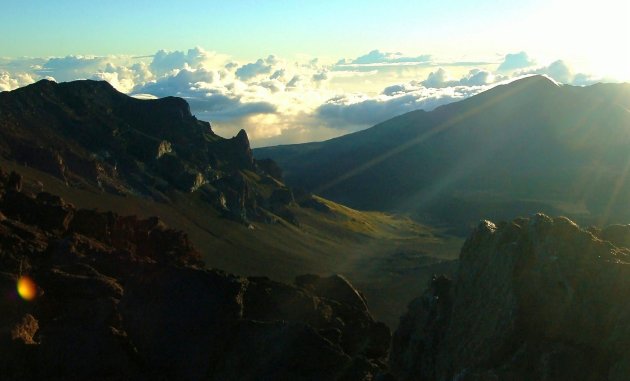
(535, 298)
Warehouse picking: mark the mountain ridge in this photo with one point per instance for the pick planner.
(511, 132)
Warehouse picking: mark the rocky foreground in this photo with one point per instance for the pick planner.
(534, 299)
(119, 298)
(122, 298)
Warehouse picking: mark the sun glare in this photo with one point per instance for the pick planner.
(598, 35)
(27, 288)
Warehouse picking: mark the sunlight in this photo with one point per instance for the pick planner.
(595, 37)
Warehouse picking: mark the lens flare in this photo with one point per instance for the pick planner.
(27, 288)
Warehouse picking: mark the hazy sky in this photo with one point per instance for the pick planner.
(300, 70)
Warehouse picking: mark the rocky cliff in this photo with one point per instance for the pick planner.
(91, 136)
(534, 299)
(107, 297)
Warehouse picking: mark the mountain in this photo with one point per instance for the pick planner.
(527, 146)
(534, 299)
(88, 134)
(110, 297)
(100, 149)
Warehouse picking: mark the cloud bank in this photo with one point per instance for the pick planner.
(281, 101)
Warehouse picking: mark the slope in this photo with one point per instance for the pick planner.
(518, 148)
(100, 149)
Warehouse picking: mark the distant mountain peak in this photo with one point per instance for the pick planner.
(515, 149)
(535, 85)
(536, 80)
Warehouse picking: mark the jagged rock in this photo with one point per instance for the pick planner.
(421, 330)
(281, 197)
(45, 211)
(163, 148)
(533, 299)
(270, 167)
(25, 330)
(90, 135)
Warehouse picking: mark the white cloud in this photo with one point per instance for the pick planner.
(356, 111)
(475, 77)
(562, 72)
(251, 70)
(167, 61)
(514, 61)
(181, 83)
(10, 81)
(207, 95)
(437, 79)
(558, 70)
(124, 78)
(69, 68)
(377, 57)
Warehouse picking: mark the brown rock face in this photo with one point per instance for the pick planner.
(90, 135)
(120, 298)
(534, 299)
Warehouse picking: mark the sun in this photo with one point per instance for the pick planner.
(592, 36)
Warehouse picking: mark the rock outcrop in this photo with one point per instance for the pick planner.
(120, 298)
(90, 135)
(534, 299)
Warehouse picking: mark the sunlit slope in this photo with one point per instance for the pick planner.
(391, 257)
(527, 146)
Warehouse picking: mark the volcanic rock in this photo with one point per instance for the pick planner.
(120, 298)
(90, 135)
(534, 299)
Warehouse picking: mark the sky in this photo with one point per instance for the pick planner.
(297, 71)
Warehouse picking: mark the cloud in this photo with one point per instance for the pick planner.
(378, 57)
(120, 71)
(514, 61)
(475, 77)
(181, 84)
(10, 82)
(582, 79)
(557, 70)
(478, 77)
(205, 93)
(124, 78)
(562, 72)
(278, 101)
(320, 76)
(359, 110)
(220, 107)
(278, 74)
(166, 61)
(21, 65)
(251, 70)
(72, 67)
(437, 79)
